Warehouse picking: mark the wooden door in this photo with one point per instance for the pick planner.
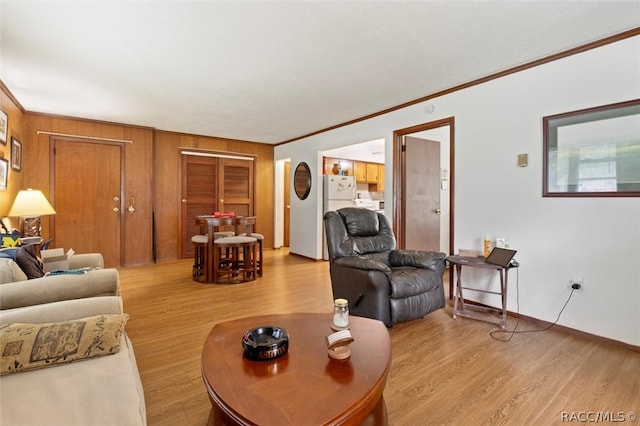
(87, 195)
(235, 186)
(287, 204)
(199, 195)
(422, 194)
(213, 184)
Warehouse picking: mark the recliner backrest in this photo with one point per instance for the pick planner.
(355, 231)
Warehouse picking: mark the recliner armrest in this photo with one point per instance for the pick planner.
(364, 264)
(418, 259)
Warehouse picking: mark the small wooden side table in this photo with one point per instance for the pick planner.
(460, 308)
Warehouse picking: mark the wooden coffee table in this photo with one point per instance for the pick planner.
(303, 387)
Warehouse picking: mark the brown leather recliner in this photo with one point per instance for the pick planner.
(379, 281)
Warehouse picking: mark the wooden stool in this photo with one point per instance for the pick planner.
(200, 256)
(234, 260)
(260, 238)
(223, 234)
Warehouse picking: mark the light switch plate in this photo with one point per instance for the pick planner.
(523, 160)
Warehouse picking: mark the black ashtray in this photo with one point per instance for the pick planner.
(265, 343)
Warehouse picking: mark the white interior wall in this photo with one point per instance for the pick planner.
(556, 238)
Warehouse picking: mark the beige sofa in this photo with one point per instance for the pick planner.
(101, 391)
(17, 291)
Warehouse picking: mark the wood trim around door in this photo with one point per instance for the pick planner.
(398, 176)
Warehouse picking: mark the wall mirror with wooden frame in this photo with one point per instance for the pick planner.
(302, 180)
(593, 152)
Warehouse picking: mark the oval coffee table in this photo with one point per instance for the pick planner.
(304, 386)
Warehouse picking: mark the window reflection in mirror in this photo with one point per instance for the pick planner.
(593, 152)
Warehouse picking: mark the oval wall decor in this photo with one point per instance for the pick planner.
(302, 180)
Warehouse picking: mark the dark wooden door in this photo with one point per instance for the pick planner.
(199, 195)
(236, 186)
(87, 196)
(422, 194)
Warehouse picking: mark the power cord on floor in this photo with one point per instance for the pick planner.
(512, 332)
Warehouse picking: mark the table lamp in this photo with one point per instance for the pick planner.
(30, 205)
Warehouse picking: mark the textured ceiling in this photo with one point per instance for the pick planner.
(270, 71)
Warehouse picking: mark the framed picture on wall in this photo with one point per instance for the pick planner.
(4, 173)
(16, 154)
(4, 127)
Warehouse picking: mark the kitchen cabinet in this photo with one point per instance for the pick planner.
(360, 171)
(372, 172)
(380, 177)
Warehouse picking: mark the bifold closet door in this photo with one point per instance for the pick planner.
(199, 195)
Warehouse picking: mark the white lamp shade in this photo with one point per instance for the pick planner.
(30, 202)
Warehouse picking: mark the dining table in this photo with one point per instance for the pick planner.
(210, 224)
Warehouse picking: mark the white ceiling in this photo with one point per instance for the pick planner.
(369, 151)
(269, 71)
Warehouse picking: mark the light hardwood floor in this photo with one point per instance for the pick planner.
(443, 372)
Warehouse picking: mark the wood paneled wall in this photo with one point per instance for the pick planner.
(17, 129)
(152, 175)
(167, 176)
(138, 173)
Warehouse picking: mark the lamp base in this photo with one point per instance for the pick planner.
(30, 226)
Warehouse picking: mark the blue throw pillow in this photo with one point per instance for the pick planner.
(9, 253)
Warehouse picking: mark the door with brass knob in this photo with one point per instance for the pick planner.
(86, 193)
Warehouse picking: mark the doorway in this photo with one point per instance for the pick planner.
(418, 215)
(86, 189)
(287, 204)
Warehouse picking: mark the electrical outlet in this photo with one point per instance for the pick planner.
(576, 282)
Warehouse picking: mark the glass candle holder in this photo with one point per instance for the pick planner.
(340, 314)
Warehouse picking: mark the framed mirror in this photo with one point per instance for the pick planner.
(593, 152)
(302, 180)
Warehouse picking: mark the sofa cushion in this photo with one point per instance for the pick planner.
(30, 263)
(10, 271)
(32, 346)
(98, 392)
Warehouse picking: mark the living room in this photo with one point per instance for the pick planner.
(557, 238)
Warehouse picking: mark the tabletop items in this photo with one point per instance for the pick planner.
(338, 344)
(265, 343)
(340, 315)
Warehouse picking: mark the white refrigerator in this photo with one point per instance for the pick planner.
(339, 192)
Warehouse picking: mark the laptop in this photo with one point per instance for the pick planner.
(500, 256)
